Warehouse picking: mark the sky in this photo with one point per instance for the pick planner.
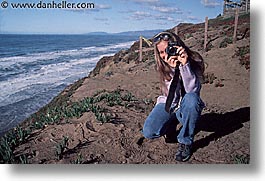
(104, 15)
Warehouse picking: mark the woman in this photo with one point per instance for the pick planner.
(187, 105)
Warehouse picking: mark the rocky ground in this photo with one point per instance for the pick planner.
(99, 118)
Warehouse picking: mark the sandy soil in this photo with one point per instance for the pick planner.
(222, 134)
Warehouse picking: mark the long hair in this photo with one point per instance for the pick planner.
(194, 58)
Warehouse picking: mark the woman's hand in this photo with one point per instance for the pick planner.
(182, 57)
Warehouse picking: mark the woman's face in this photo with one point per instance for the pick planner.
(161, 47)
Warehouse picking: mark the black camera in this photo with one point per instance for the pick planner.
(171, 50)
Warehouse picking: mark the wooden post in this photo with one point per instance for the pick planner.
(246, 6)
(141, 49)
(224, 7)
(235, 28)
(176, 30)
(205, 33)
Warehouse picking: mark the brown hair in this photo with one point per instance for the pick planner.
(195, 59)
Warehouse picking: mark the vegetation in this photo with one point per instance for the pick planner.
(61, 147)
(244, 56)
(8, 143)
(78, 160)
(61, 110)
(240, 159)
(225, 42)
(57, 114)
(209, 78)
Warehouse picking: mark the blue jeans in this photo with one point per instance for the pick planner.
(159, 122)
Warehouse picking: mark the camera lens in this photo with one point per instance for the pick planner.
(171, 51)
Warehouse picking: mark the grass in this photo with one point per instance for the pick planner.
(61, 147)
(209, 78)
(242, 51)
(23, 159)
(240, 159)
(187, 36)
(61, 112)
(244, 57)
(8, 143)
(78, 160)
(225, 42)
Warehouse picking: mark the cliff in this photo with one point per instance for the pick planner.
(98, 119)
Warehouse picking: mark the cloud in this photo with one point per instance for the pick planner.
(102, 6)
(126, 11)
(164, 9)
(140, 15)
(164, 19)
(159, 6)
(210, 3)
(149, 2)
(101, 19)
(194, 18)
(97, 8)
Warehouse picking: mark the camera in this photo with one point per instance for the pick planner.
(171, 50)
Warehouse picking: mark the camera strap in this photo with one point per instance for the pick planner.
(175, 85)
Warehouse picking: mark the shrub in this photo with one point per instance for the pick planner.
(61, 147)
(225, 42)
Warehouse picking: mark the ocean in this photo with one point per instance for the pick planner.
(36, 68)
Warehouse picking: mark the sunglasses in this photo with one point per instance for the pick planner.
(161, 36)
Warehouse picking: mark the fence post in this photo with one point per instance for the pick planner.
(205, 33)
(246, 5)
(141, 49)
(176, 30)
(235, 28)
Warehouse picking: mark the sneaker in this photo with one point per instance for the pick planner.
(184, 152)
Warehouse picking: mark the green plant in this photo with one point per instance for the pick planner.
(219, 83)
(208, 78)
(22, 134)
(23, 159)
(242, 51)
(209, 46)
(78, 160)
(241, 159)
(6, 152)
(9, 142)
(55, 113)
(103, 117)
(128, 97)
(61, 147)
(38, 125)
(244, 56)
(148, 101)
(187, 36)
(108, 74)
(225, 42)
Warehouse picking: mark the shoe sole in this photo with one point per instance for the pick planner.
(183, 159)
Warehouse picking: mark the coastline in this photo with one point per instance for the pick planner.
(102, 114)
(30, 79)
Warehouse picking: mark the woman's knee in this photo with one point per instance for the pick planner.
(155, 121)
(150, 130)
(148, 133)
(192, 100)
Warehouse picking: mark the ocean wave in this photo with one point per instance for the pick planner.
(30, 75)
(52, 74)
(16, 66)
(5, 61)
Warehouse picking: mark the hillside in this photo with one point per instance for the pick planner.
(98, 119)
